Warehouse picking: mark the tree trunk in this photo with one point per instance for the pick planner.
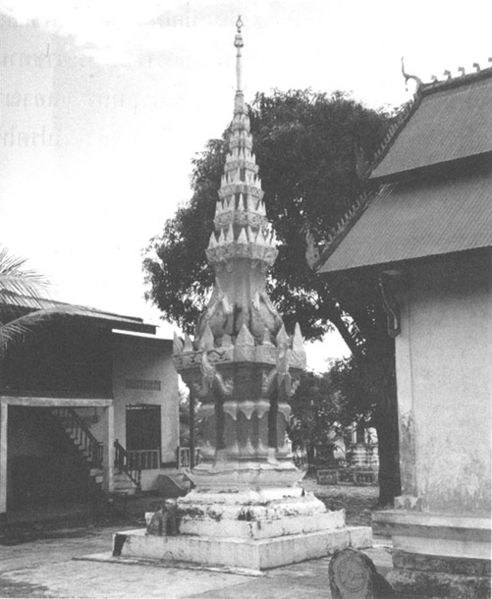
(386, 423)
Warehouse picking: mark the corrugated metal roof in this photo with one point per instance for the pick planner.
(416, 219)
(450, 122)
(28, 304)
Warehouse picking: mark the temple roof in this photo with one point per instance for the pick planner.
(435, 182)
(451, 120)
(416, 219)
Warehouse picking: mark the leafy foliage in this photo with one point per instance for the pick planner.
(307, 146)
(317, 408)
(21, 287)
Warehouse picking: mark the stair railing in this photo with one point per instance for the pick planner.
(123, 461)
(80, 434)
(184, 457)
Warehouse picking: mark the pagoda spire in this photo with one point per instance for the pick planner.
(243, 244)
(241, 355)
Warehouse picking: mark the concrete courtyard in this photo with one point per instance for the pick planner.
(52, 563)
(57, 568)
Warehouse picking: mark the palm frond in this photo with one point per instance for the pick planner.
(17, 330)
(16, 279)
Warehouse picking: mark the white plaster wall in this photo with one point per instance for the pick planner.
(147, 359)
(444, 384)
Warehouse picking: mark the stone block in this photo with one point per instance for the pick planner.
(446, 565)
(360, 537)
(436, 585)
(438, 555)
(263, 528)
(229, 552)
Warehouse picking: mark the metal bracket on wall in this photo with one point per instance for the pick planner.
(390, 304)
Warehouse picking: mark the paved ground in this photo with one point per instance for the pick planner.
(44, 566)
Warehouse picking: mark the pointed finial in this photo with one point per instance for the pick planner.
(245, 337)
(238, 43)
(282, 337)
(207, 339)
(239, 24)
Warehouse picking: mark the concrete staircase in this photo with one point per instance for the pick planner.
(91, 451)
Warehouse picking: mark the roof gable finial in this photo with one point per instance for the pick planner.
(407, 76)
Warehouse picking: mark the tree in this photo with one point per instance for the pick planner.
(16, 284)
(311, 150)
(318, 411)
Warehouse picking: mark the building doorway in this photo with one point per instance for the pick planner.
(143, 435)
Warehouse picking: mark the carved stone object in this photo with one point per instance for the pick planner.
(247, 509)
(242, 365)
(353, 576)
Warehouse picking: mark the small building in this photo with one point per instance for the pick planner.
(425, 234)
(88, 404)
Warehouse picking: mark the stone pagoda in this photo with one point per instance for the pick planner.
(246, 509)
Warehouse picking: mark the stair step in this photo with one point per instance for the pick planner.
(130, 489)
(120, 476)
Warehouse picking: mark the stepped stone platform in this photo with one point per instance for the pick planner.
(252, 530)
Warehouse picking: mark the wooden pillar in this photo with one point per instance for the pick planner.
(108, 450)
(3, 455)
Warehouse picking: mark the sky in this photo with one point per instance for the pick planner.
(103, 105)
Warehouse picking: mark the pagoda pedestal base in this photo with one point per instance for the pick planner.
(252, 530)
(437, 555)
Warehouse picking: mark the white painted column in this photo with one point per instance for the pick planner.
(3, 455)
(108, 450)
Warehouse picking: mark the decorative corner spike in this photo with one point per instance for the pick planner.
(447, 74)
(177, 344)
(266, 337)
(226, 341)
(461, 71)
(207, 339)
(298, 341)
(188, 345)
(476, 66)
(245, 337)
(242, 236)
(213, 241)
(229, 237)
(282, 337)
